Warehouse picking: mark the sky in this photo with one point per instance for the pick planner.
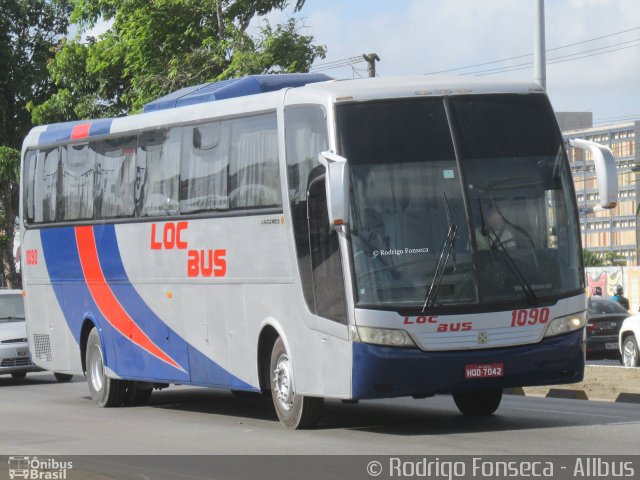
(414, 37)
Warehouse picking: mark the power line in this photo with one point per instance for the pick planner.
(603, 121)
(635, 116)
(530, 54)
(552, 61)
(345, 62)
(521, 66)
(348, 59)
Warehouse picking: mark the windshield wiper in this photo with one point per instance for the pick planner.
(489, 232)
(448, 247)
(11, 317)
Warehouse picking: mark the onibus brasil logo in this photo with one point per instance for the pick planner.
(38, 469)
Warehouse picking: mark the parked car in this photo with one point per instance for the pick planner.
(629, 338)
(14, 348)
(604, 319)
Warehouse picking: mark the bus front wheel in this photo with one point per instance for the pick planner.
(479, 403)
(294, 411)
(105, 391)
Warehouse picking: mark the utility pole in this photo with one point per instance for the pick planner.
(539, 56)
(371, 59)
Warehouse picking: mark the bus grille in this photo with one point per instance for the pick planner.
(42, 346)
(16, 362)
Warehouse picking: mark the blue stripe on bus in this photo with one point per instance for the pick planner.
(65, 271)
(100, 127)
(74, 298)
(61, 132)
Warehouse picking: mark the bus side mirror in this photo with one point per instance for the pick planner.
(337, 185)
(606, 173)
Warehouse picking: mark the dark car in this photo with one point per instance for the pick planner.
(604, 319)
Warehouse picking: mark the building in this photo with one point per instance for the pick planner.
(615, 230)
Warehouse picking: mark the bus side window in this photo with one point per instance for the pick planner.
(254, 180)
(204, 168)
(114, 177)
(326, 261)
(46, 185)
(29, 185)
(157, 172)
(77, 183)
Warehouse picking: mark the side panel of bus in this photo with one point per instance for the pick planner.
(184, 308)
(178, 301)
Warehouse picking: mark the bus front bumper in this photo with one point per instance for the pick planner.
(385, 372)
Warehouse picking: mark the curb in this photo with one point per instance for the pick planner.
(604, 383)
(574, 395)
(562, 393)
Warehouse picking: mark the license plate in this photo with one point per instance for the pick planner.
(611, 346)
(484, 370)
(22, 352)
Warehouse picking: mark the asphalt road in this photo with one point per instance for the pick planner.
(42, 417)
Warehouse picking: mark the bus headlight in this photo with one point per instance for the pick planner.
(384, 336)
(566, 324)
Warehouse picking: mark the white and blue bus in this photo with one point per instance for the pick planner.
(311, 238)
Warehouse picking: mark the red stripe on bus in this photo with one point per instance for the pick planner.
(80, 131)
(107, 301)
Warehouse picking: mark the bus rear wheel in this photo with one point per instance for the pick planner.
(294, 411)
(105, 391)
(136, 394)
(479, 403)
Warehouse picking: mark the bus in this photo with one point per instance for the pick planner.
(309, 239)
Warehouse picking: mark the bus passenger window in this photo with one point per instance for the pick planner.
(254, 180)
(114, 177)
(204, 168)
(77, 183)
(157, 172)
(30, 176)
(46, 185)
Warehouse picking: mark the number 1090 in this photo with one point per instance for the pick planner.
(520, 318)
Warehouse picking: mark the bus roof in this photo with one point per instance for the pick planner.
(225, 89)
(257, 92)
(410, 86)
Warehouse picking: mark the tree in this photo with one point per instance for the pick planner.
(606, 259)
(9, 185)
(591, 259)
(29, 29)
(155, 47)
(613, 259)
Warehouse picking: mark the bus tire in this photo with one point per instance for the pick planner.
(19, 375)
(106, 392)
(136, 396)
(294, 411)
(62, 377)
(479, 403)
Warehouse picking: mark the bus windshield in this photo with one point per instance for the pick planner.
(459, 201)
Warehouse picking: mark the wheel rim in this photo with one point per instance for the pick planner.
(630, 355)
(96, 368)
(283, 382)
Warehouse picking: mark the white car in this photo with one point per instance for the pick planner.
(14, 348)
(629, 338)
